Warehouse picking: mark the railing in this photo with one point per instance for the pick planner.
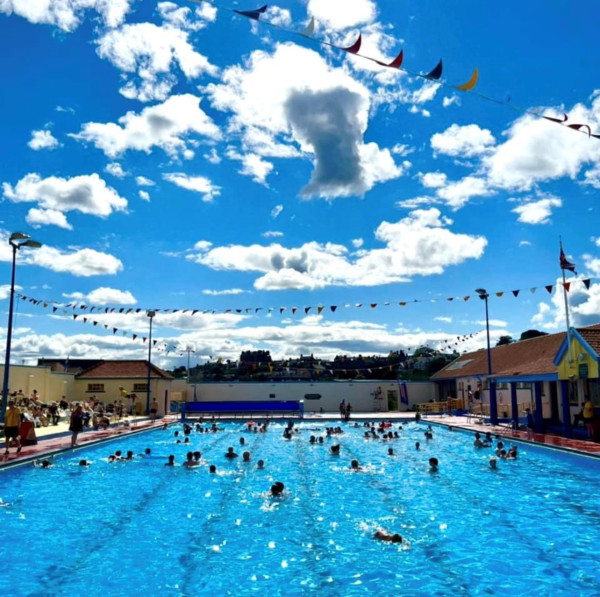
(233, 409)
(441, 406)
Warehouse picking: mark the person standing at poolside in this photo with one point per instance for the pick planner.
(12, 420)
(530, 424)
(588, 417)
(76, 424)
(153, 409)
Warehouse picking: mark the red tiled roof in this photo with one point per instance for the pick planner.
(122, 369)
(526, 357)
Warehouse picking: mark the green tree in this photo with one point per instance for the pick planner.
(504, 340)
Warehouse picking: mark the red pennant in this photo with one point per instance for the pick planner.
(373, 305)
(567, 285)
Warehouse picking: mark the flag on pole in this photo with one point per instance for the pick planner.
(565, 263)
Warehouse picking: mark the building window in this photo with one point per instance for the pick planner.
(95, 388)
(140, 387)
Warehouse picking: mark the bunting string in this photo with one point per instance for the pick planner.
(88, 313)
(434, 75)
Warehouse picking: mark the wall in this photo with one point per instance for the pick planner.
(50, 386)
(361, 394)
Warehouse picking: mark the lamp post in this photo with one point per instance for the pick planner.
(150, 314)
(484, 295)
(16, 240)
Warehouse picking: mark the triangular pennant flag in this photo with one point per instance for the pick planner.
(500, 294)
(567, 285)
(95, 323)
(195, 311)
(466, 298)
(310, 28)
(106, 326)
(395, 63)
(281, 310)
(121, 310)
(294, 310)
(129, 311)
(306, 309)
(516, 292)
(115, 330)
(92, 309)
(451, 299)
(470, 83)
(358, 305)
(355, 47)
(402, 304)
(154, 342)
(252, 14)
(54, 309)
(436, 73)
(144, 339)
(75, 316)
(549, 288)
(85, 320)
(319, 310)
(333, 308)
(373, 305)
(533, 289)
(586, 283)
(134, 336)
(45, 305)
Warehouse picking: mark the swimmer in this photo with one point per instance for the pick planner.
(230, 453)
(246, 456)
(44, 464)
(242, 441)
(417, 445)
(84, 462)
(390, 451)
(129, 455)
(335, 449)
(388, 537)
(355, 466)
(190, 460)
(433, 465)
(512, 453)
(493, 464)
(212, 469)
(171, 461)
(197, 456)
(277, 489)
(260, 464)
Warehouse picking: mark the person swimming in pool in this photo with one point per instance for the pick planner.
(388, 537)
(171, 461)
(230, 453)
(433, 465)
(277, 489)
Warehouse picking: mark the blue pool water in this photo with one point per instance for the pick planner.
(530, 528)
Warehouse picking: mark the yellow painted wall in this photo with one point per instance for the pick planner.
(579, 356)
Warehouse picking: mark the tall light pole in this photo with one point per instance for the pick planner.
(16, 240)
(484, 295)
(150, 314)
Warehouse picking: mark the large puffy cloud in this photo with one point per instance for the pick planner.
(537, 212)
(165, 125)
(88, 194)
(42, 139)
(419, 245)
(147, 54)
(47, 217)
(293, 95)
(463, 141)
(66, 14)
(537, 150)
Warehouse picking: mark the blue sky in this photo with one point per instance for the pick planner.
(181, 157)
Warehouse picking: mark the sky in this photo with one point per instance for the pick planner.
(260, 188)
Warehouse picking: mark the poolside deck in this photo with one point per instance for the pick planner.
(57, 438)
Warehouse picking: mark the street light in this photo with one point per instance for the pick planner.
(150, 314)
(484, 295)
(16, 240)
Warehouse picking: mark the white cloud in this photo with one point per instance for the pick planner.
(276, 211)
(357, 243)
(433, 180)
(537, 212)
(450, 101)
(106, 296)
(42, 139)
(342, 14)
(457, 194)
(144, 195)
(198, 184)
(292, 98)
(419, 245)
(47, 217)
(272, 234)
(165, 125)
(66, 14)
(147, 53)
(537, 150)
(88, 194)
(212, 156)
(463, 141)
(229, 291)
(142, 181)
(115, 169)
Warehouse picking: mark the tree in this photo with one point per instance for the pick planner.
(504, 340)
(531, 334)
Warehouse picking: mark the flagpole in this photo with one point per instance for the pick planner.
(566, 304)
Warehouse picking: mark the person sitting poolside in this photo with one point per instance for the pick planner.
(230, 453)
(388, 537)
(433, 465)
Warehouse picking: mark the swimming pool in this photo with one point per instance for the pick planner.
(529, 528)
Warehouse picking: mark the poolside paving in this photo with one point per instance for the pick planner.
(56, 439)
